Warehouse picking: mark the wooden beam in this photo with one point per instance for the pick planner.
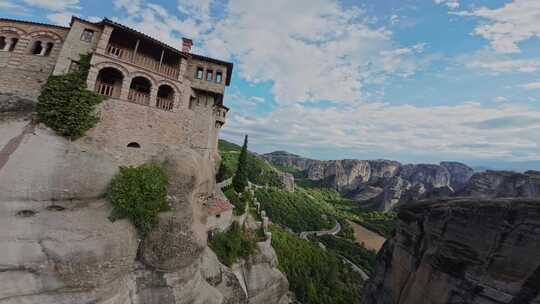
(161, 59)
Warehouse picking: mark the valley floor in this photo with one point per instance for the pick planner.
(369, 239)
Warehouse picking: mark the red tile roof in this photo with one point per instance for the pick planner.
(219, 206)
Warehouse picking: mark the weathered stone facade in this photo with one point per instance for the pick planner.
(155, 101)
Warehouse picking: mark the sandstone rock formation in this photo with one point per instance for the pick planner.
(459, 174)
(503, 184)
(461, 251)
(57, 245)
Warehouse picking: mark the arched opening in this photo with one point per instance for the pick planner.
(3, 43)
(165, 98)
(139, 90)
(48, 48)
(134, 145)
(37, 48)
(109, 82)
(13, 44)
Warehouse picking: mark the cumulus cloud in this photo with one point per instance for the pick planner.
(451, 4)
(494, 62)
(509, 25)
(531, 86)
(468, 130)
(54, 5)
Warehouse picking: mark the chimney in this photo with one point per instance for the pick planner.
(186, 45)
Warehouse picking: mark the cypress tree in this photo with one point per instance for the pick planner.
(240, 180)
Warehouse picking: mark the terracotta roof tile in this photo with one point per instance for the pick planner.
(219, 206)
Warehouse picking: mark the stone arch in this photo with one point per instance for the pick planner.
(51, 35)
(166, 96)
(10, 38)
(141, 88)
(43, 43)
(151, 78)
(109, 81)
(109, 64)
(177, 90)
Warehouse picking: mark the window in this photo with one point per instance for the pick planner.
(73, 66)
(209, 75)
(37, 48)
(134, 145)
(13, 44)
(87, 35)
(48, 48)
(200, 72)
(219, 77)
(218, 215)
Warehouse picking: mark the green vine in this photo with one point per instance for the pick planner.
(66, 105)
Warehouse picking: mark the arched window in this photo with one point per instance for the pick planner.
(37, 48)
(14, 42)
(48, 48)
(109, 82)
(165, 98)
(139, 90)
(134, 145)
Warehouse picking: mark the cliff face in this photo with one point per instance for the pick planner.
(503, 184)
(58, 246)
(461, 251)
(382, 184)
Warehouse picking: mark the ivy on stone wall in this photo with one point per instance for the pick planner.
(66, 105)
(139, 193)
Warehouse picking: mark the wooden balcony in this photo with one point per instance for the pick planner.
(105, 89)
(143, 61)
(165, 104)
(139, 97)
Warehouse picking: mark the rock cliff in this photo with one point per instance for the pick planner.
(58, 246)
(503, 184)
(461, 251)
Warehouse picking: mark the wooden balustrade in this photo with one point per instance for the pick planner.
(139, 97)
(143, 61)
(105, 89)
(165, 104)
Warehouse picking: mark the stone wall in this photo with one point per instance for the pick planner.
(22, 72)
(203, 84)
(74, 46)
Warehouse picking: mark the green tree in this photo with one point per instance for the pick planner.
(240, 180)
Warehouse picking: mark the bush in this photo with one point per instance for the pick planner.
(357, 254)
(296, 210)
(139, 193)
(315, 275)
(66, 106)
(235, 243)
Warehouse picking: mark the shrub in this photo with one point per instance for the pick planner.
(139, 193)
(240, 179)
(239, 201)
(66, 105)
(235, 243)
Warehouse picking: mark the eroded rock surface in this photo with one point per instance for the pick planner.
(461, 251)
(57, 245)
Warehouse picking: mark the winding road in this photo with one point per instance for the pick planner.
(304, 235)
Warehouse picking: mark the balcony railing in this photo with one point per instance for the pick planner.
(105, 89)
(139, 97)
(143, 61)
(165, 104)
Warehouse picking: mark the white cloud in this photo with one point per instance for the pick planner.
(451, 4)
(494, 62)
(501, 99)
(61, 18)
(131, 7)
(509, 25)
(11, 6)
(54, 5)
(531, 86)
(465, 131)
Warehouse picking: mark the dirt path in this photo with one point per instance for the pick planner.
(370, 239)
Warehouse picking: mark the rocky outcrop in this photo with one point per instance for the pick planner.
(381, 184)
(58, 246)
(503, 184)
(287, 180)
(459, 174)
(461, 251)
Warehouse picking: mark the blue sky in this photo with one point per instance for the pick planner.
(411, 80)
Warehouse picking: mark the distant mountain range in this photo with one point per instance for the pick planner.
(384, 184)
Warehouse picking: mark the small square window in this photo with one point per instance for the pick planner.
(219, 77)
(87, 35)
(209, 75)
(74, 66)
(200, 72)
